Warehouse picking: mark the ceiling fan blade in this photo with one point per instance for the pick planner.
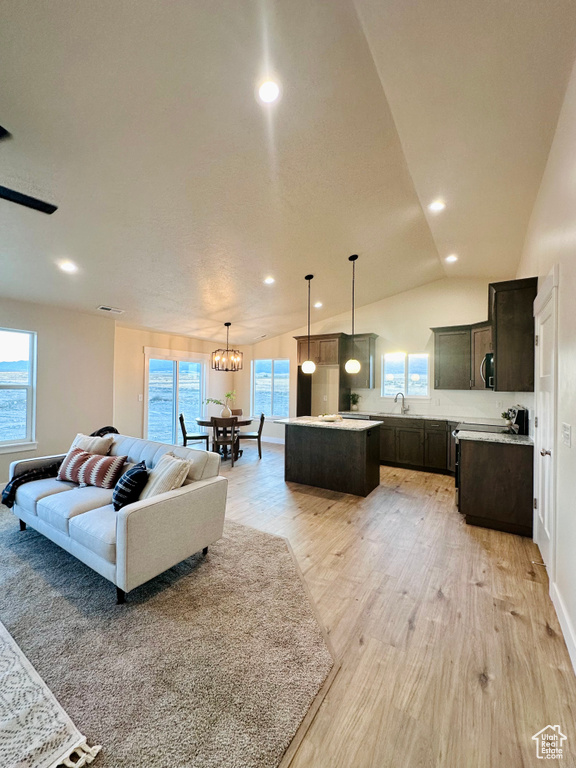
(26, 200)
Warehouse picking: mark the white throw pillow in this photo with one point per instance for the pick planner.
(167, 475)
(99, 445)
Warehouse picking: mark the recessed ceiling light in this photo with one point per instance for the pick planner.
(269, 280)
(318, 304)
(269, 91)
(67, 266)
(436, 206)
(452, 258)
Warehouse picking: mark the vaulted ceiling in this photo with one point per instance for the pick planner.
(179, 192)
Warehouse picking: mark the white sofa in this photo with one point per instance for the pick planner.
(142, 539)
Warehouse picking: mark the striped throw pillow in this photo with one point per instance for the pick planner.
(167, 475)
(101, 471)
(130, 485)
(72, 464)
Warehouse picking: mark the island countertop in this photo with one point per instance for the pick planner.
(349, 425)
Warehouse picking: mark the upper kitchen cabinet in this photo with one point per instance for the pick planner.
(363, 348)
(511, 312)
(325, 349)
(462, 353)
(452, 352)
(481, 340)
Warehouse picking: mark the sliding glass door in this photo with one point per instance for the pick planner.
(174, 387)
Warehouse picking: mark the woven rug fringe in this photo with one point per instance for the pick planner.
(84, 755)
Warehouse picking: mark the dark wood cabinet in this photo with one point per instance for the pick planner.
(481, 341)
(387, 444)
(511, 313)
(496, 485)
(452, 355)
(435, 445)
(420, 443)
(363, 348)
(459, 350)
(410, 446)
(324, 349)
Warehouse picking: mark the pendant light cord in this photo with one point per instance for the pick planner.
(353, 291)
(309, 283)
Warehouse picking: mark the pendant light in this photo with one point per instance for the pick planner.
(353, 365)
(227, 359)
(308, 366)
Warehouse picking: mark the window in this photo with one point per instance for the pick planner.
(271, 387)
(17, 386)
(175, 386)
(405, 373)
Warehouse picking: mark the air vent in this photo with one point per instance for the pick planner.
(110, 310)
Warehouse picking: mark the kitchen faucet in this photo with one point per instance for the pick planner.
(403, 408)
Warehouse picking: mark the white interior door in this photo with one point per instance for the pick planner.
(545, 431)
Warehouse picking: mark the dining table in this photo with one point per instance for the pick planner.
(241, 421)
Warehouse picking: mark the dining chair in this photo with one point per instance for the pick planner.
(254, 435)
(225, 433)
(192, 437)
(236, 411)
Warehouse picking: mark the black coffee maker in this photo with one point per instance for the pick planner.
(519, 418)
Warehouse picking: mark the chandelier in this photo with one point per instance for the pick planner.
(227, 359)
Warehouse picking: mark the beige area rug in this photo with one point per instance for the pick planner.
(214, 664)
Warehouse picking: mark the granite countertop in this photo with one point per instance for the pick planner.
(495, 437)
(427, 416)
(352, 425)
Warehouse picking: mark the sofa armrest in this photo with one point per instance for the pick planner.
(25, 465)
(154, 534)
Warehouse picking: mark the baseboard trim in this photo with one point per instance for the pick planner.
(565, 623)
(279, 440)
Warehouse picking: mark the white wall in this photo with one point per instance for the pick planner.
(74, 375)
(129, 373)
(402, 323)
(551, 239)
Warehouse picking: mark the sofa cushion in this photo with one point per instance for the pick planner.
(168, 474)
(30, 493)
(96, 530)
(99, 445)
(102, 471)
(72, 464)
(130, 486)
(59, 509)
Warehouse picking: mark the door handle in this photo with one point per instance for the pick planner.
(544, 452)
(482, 365)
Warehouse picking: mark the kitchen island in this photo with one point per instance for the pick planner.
(336, 455)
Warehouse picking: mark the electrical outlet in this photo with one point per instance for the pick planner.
(500, 404)
(437, 401)
(567, 434)
(140, 398)
(325, 398)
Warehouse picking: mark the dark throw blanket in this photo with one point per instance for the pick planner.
(40, 473)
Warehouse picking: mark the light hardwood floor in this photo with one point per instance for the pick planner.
(452, 655)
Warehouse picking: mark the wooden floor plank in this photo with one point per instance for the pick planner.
(451, 651)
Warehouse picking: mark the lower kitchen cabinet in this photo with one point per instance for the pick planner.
(387, 444)
(409, 446)
(413, 443)
(436, 447)
(496, 485)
